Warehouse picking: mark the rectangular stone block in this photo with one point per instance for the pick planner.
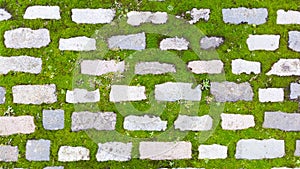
(155, 68)
(25, 64)
(271, 95)
(243, 66)
(193, 123)
(114, 151)
(213, 151)
(297, 150)
(100, 67)
(82, 96)
(16, 125)
(42, 12)
(146, 123)
(210, 67)
(286, 67)
(174, 44)
(81, 43)
(135, 18)
(128, 42)
(69, 154)
(288, 17)
(9, 153)
(263, 42)
(38, 150)
(282, 121)
(294, 88)
(93, 16)
(2, 95)
(120, 93)
(237, 121)
(255, 16)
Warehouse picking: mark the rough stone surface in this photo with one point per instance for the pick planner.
(25, 64)
(93, 16)
(210, 67)
(297, 151)
(34, 94)
(68, 154)
(252, 149)
(285, 67)
(81, 43)
(213, 151)
(156, 68)
(26, 38)
(100, 67)
(294, 42)
(53, 119)
(115, 151)
(56, 167)
(284, 168)
(129, 42)
(9, 153)
(289, 17)
(294, 87)
(120, 93)
(193, 123)
(136, 18)
(165, 150)
(2, 95)
(82, 96)
(38, 150)
(148, 123)
(42, 12)
(263, 42)
(271, 95)
(282, 121)
(237, 121)
(174, 44)
(174, 91)
(243, 66)
(16, 125)
(89, 120)
(197, 14)
(231, 92)
(245, 15)
(4, 15)
(211, 42)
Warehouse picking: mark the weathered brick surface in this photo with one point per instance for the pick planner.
(115, 151)
(16, 125)
(42, 12)
(9, 153)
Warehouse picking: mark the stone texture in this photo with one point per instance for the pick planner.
(174, 91)
(26, 38)
(148, 123)
(34, 94)
(282, 121)
(263, 42)
(129, 42)
(294, 88)
(115, 151)
(210, 67)
(174, 44)
(197, 14)
(285, 67)
(55, 167)
(136, 18)
(42, 12)
(81, 43)
(9, 153)
(245, 15)
(155, 68)
(213, 151)
(231, 92)
(53, 119)
(294, 42)
(289, 17)
(165, 150)
(211, 42)
(93, 16)
(38, 150)
(271, 95)
(2, 95)
(68, 154)
(237, 121)
(297, 151)
(252, 149)
(25, 64)
(283, 168)
(193, 123)
(4, 15)
(16, 125)
(100, 67)
(89, 120)
(82, 96)
(243, 66)
(120, 93)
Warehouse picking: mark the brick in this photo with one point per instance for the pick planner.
(288, 17)
(81, 43)
(294, 42)
(147, 123)
(128, 42)
(237, 121)
(16, 125)
(285, 67)
(245, 15)
(240, 66)
(155, 68)
(193, 123)
(26, 64)
(114, 151)
(9, 153)
(210, 67)
(136, 18)
(69, 154)
(120, 93)
(213, 151)
(282, 121)
(197, 14)
(82, 96)
(38, 150)
(4, 15)
(263, 42)
(295, 90)
(2, 95)
(271, 95)
(42, 12)
(174, 44)
(53, 119)
(101, 67)
(93, 16)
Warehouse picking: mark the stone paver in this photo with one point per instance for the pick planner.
(237, 121)
(42, 12)
(25, 64)
(9, 153)
(294, 42)
(16, 125)
(55, 167)
(197, 14)
(282, 121)
(263, 42)
(231, 92)
(174, 44)
(121, 93)
(128, 42)
(211, 42)
(213, 151)
(297, 150)
(34, 94)
(38, 150)
(82, 96)
(26, 38)
(271, 95)
(2, 95)
(193, 123)
(240, 66)
(115, 151)
(90, 120)
(53, 119)
(93, 16)
(210, 67)
(245, 15)
(81, 43)
(4, 15)
(294, 88)
(155, 68)
(285, 67)
(68, 154)
(165, 150)
(283, 168)
(252, 149)
(136, 18)
(147, 123)
(288, 17)
(100, 67)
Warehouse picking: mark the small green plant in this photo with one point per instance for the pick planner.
(209, 99)
(205, 84)
(9, 112)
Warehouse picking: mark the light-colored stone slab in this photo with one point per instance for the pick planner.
(136, 18)
(26, 38)
(42, 12)
(285, 67)
(294, 42)
(297, 150)
(4, 15)
(252, 149)
(294, 88)
(93, 16)
(9, 153)
(82, 96)
(284, 168)
(193, 123)
(165, 150)
(288, 17)
(210, 67)
(282, 121)
(213, 151)
(53, 119)
(155, 68)
(174, 44)
(25, 64)
(81, 43)
(55, 167)
(197, 14)
(240, 66)
(237, 121)
(34, 94)
(16, 125)
(120, 93)
(100, 67)
(38, 150)
(271, 95)
(128, 42)
(263, 42)
(115, 151)
(68, 154)
(147, 123)
(2, 95)
(245, 15)
(211, 42)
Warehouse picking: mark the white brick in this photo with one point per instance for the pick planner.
(42, 12)
(100, 67)
(210, 67)
(9, 153)
(115, 151)
(81, 43)
(237, 121)
(93, 16)
(16, 125)
(213, 151)
(289, 17)
(285, 67)
(68, 154)
(263, 42)
(120, 93)
(25, 64)
(147, 123)
(193, 123)
(174, 44)
(136, 18)
(128, 42)
(243, 66)
(82, 96)
(271, 95)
